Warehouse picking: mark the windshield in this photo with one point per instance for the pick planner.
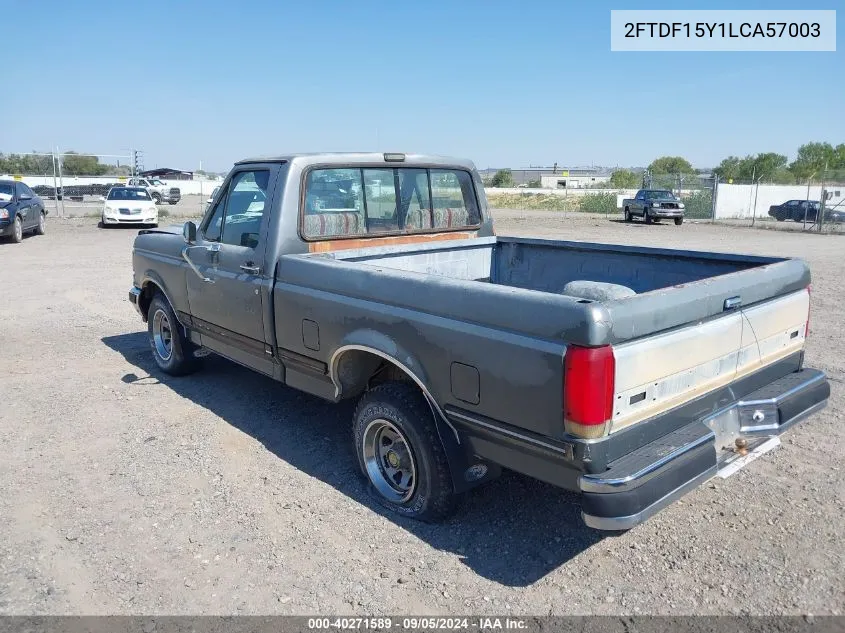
(7, 192)
(125, 193)
(659, 194)
(155, 182)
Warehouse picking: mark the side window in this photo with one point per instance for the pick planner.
(28, 190)
(453, 199)
(19, 189)
(247, 200)
(334, 203)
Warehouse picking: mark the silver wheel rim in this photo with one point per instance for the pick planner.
(41, 222)
(18, 230)
(389, 461)
(162, 335)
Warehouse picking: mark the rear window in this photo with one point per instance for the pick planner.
(344, 202)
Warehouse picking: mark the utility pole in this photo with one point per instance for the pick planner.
(61, 182)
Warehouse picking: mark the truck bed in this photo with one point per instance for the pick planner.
(525, 281)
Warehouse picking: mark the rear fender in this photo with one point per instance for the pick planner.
(460, 460)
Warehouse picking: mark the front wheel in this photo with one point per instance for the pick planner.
(679, 221)
(17, 230)
(172, 351)
(647, 217)
(41, 229)
(400, 452)
(172, 201)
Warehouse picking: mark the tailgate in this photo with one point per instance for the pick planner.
(657, 373)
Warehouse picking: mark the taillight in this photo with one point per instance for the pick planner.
(810, 296)
(588, 384)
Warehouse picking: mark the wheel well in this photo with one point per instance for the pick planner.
(357, 371)
(149, 290)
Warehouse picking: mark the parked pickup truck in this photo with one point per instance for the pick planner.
(158, 190)
(628, 374)
(653, 205)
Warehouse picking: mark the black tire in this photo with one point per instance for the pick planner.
(779, 218)
(402, 406)
(628, 216)
(679, 221)
(17, 230)
(172, 201)
(41, 229)
(156, 197)
(180, 360)
(647, 217)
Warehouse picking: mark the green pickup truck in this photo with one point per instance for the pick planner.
(630, 375)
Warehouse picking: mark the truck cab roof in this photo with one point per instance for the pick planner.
(396, 159)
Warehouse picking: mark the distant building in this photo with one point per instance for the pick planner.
(166, 173)
(556, 177)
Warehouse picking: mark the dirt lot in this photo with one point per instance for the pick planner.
(126, 491)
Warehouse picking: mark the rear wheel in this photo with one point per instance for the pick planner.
(679, 221)
(400, 453)
(41, 229)
(172, 351)
(156, 197)
(628, 217)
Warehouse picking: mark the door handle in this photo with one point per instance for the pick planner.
(250, 268)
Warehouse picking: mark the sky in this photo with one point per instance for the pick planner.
(506, 84)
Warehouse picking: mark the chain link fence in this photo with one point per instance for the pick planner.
(817, 205)
(72, 184)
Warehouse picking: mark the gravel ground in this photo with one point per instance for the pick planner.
(125, 491)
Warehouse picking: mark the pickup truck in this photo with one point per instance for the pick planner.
(653, 205)
(630, 375)
(158, 190)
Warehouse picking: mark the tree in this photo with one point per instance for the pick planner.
(768, 166)
(813, 158)
(26, 164)
(839, 156)
(74, 164)
(729, 168)
(502, 178)
(534, 184)
(764, 166)
(624, 179)
(671, 165)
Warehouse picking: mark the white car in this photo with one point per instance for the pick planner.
(129, 205)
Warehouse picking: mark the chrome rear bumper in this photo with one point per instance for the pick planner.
(640, 484)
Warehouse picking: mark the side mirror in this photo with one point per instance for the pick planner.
(189, 232)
